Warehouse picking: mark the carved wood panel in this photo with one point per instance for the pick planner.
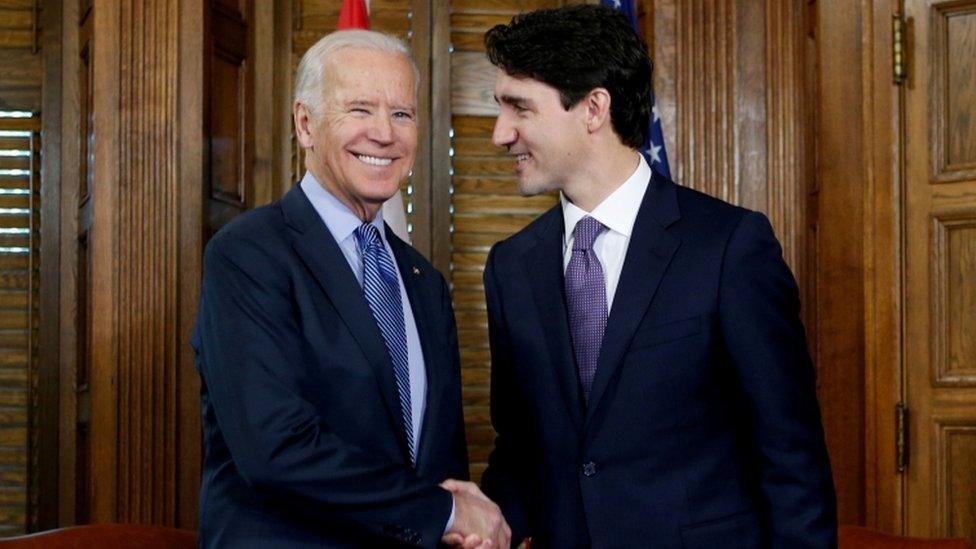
(956, 478)
(954, 297)
(954, 131)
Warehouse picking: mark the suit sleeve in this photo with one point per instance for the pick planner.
(252, 359)
(504, 480)
(759, 312)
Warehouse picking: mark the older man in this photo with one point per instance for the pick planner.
(327, 346)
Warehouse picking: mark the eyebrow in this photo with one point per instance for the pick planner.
(366, 103)
(513, 100)
(359, 103)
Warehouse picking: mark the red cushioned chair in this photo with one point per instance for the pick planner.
(858, 537)
(120, 536)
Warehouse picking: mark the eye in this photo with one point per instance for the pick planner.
(403, 115)
(359, 111)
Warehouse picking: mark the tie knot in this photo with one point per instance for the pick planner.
(367, 236)
(586, 231)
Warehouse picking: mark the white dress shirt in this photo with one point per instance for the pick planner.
(618, 213)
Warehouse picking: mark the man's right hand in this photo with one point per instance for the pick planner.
(478, 522)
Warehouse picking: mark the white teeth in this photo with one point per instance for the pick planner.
(374, 161)
(522, 157)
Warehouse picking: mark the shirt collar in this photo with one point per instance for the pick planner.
(618, 211)
(339, 219)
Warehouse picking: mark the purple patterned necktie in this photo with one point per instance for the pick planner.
(586, 296)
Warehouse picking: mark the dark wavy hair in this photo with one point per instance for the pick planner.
(578, 48)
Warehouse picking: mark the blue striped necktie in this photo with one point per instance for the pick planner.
(382, 291)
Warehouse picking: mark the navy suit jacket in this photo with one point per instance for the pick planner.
(702, 429)
(303, 436)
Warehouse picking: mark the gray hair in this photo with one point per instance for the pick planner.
(310, 83)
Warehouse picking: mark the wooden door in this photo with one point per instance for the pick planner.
(940, 269)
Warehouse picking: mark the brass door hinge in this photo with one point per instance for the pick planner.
(899, 48)
(901, 437)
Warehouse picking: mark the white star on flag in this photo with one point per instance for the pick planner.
(655, 152)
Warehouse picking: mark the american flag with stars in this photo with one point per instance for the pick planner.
(653, 148)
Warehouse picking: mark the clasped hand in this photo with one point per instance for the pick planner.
(478, 522)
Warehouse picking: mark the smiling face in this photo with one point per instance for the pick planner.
(362, 139)
(547, 141)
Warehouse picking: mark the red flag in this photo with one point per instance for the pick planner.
(353, 15)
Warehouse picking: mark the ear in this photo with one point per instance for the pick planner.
(597, 104)
(303, 124)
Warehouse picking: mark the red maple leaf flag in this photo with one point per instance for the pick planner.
(353, 15)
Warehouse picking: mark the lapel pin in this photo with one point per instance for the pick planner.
(416, 271)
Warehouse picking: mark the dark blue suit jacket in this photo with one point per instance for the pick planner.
(302, 429)
(703, 428)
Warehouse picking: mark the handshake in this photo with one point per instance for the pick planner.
(478, 522)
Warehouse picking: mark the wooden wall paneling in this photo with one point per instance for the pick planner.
(144, 409)
(264, 83)
(785, 193)
(441, 171)
(68, 221)
(189, 233)
(705, 98)
(417, 195)
(840, 315)
(882, 278)
(284, 76)
(662, 43)
(45, 515)
(103, 243)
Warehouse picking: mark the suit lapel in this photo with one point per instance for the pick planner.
(417, 283)
(648, 255)
(320, 252)
(544, 269)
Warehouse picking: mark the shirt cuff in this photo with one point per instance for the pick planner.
(450, 520)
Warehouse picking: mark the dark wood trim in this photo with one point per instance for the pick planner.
(261, 36)
(418, 202)
(190, 254)
(70, 181)
(440, 124)
(282, 153)
(48, 333)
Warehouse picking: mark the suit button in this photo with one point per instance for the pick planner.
(589, 469)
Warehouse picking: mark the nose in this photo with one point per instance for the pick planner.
(381, 130)
(504, 134)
